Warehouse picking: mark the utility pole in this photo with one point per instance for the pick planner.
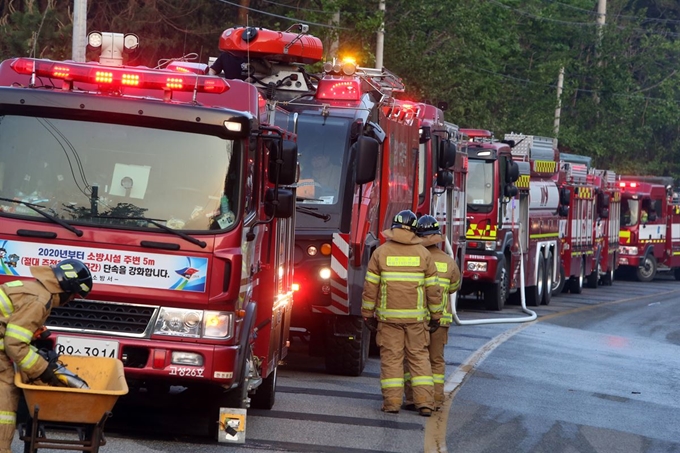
(558, 110)
(601, 19)
(381, 38)
(335, 43)
(79, 30)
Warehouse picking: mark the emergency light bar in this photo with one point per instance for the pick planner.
(115, 77)
(338, 90)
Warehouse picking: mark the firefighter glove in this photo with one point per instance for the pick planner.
(49, 376)
(433, 325)
(371, 323)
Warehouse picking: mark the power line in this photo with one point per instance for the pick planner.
(296, 7)
(292, 19)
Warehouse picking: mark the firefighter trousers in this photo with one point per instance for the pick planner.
(438, 339)
(399, 344)
(9, 400)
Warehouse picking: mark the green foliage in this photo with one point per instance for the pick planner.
(495, 62)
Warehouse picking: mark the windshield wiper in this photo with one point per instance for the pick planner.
(39, 209)
(160, 225)
(311, 211)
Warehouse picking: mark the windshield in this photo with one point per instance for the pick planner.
(99, 173)
(630, 212)
(479, 182)
(322, 144)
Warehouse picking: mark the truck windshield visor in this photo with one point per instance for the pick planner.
(480, 182)
(117, 175)
(322, 144)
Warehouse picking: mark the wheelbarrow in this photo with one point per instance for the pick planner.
(84, 411)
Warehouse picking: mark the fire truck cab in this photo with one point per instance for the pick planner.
(177, 195)
(650, 227)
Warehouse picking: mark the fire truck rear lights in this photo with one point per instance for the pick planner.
(326, 249)
(325, 273)
(339, 90)
(312, 250)
(120, 77)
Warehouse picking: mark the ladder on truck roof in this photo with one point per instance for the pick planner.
(382, 80)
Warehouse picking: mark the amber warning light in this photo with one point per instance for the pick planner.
(114, 77)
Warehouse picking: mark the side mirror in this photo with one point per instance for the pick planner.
(510, 190)
(444, 178)
(282, 161)
(425, 134)
(367, 151)
(447, 154)
(511, 171)
(603, 199)
(563, 211)
(279, 203)
(564, 196)
(604, 213)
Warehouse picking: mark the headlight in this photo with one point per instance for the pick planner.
(629, 250)
(194, 323)
(476, 266)
(218, 324)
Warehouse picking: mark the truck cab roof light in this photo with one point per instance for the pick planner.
(338, 90)
(115, 77)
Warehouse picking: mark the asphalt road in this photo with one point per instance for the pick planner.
(597, 372)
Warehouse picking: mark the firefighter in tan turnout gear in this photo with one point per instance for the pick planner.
(448, 275)
(24, 307)
(401, 293)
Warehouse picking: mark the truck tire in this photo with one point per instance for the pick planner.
(496, 295)
(534, 294)
(576, 283)
(559, 282)
(265, 395)
(608, 278)
(347, 343)
(548, 285)
(647, 271)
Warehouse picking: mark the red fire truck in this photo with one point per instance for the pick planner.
(650, 228)
(358, 167)
(512, 204)
(170, 187)
(608, 226)
(579, 249)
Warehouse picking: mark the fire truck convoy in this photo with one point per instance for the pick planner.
(512, 211)
(650, 227)
(177, 194)
(358, 149)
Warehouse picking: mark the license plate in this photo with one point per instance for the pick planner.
(85, 346)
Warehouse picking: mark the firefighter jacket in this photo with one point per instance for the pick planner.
(401, 281)
(448, 275)
(24, 308)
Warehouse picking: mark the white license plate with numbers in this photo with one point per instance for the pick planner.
(85, 346)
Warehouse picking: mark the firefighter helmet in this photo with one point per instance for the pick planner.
(405, 219)
(73, 276)
(428, 225)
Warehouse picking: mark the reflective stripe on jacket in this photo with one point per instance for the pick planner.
(401, 281)
(448, 274)
(25, 306)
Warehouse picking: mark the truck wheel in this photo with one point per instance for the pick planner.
(576, 283)
(347, 343)
(495, 295)
(559, 282)
(608, 278)
(534, 294)
(547, 287)
(594, 277)
(647, 271)
(265, 395)
(676, 273)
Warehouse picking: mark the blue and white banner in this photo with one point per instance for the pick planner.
(109, 267)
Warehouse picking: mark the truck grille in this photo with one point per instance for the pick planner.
(100, 317)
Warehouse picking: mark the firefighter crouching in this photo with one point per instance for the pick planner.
(400, 293)
(448, 275)
(24, 307)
